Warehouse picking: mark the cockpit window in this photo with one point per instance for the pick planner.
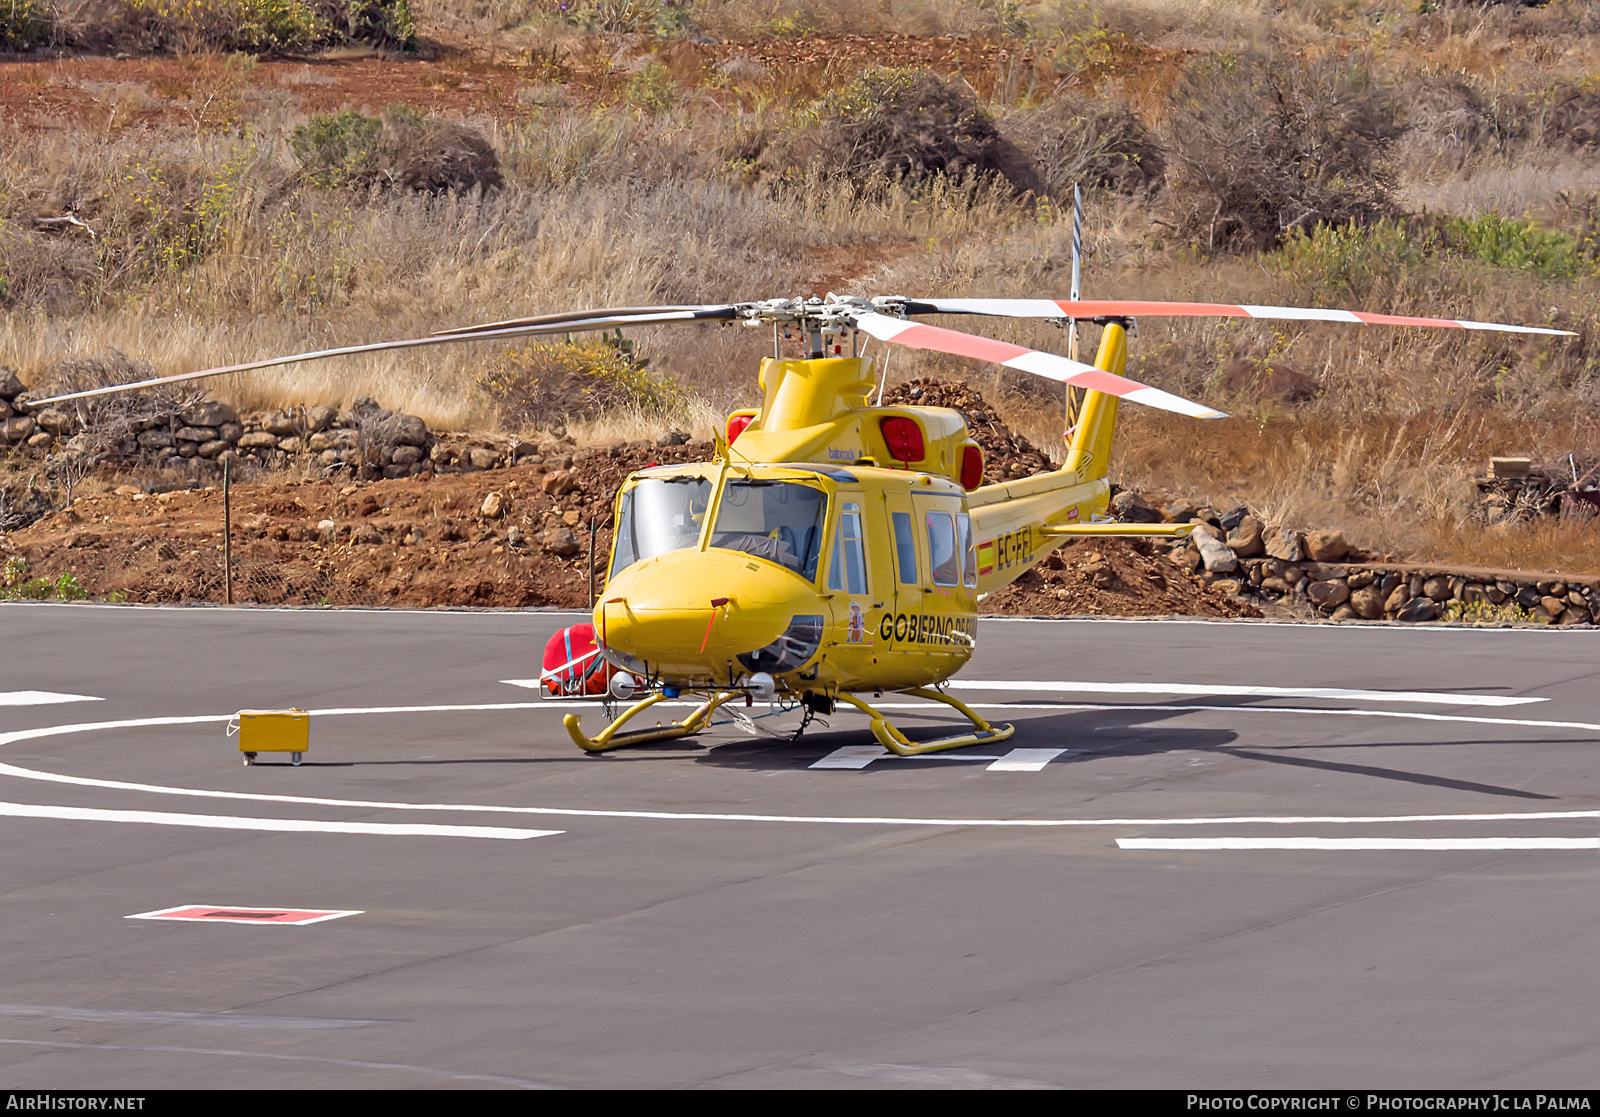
(659, 514)
(780, 521)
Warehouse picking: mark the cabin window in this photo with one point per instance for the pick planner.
(780, 521)
(848, 569)
(659, 514)
(905, 548)
(969, 551)
(942, 551)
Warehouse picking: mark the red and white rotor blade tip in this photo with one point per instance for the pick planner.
(1132, 308)
(915, 335)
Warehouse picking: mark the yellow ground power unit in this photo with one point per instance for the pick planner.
(272, 731)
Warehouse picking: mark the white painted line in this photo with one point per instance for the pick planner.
(1219, 689)
(280, 825)
(1358, 843)
(41, 698)
(853, 756)
(1025, 760)
(876, 820)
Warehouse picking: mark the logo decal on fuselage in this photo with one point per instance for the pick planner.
(857, 629)
(928, 628)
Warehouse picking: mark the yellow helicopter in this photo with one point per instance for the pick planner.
(835, 548)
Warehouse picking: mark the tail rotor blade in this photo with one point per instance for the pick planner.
(915, 335)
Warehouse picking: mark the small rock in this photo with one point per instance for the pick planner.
(56, 422)
(1215, 554)
(1326, 546)
(1362, 578)
(559, 541)
(406, 455)
(367, 534)
(258, 440)
(1397, 597)
(325, 525)
(572, 518)
(1437, 588)
(1275, 585)
(41, 440)
(230, 432)
(278, 423)
(320, 417)
(1245, 537)
(482, 458)
(1553, 605)
(1131, 508)
(291, 445)
(213, 448)
(558, 483)
(395, 472)
(1231, 518)
(195, 434)
(10, 386)
(1417, 609)
(1328, 595)
(1344, 613)
(1230, 586)
(209, 413)
(18, 427)
(494, 506)
(1575, 614)
(1285, 544)
(514, 537)
(673, 438)
(1367, 602)
(410, 431)
(329, 458)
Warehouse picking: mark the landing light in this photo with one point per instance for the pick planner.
(623, 685)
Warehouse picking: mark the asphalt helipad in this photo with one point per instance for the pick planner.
(1243, 855)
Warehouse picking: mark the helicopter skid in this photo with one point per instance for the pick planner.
(610, 738)
(890, 737)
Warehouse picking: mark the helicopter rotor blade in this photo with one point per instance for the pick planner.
(702, 311)
(1132, 308)
(915, 335)
(568, 323)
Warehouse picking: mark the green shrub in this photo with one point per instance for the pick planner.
(337, 149)
(1362, 264)
(15, 585)
(651, 89)
(547, 380)
(661, 18)
(269, 26)
(402, 149)
(1519, 245)
(24, 23)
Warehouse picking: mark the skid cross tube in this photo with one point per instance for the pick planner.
(890, 737)
(609, 738)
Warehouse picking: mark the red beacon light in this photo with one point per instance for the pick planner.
(904, 439)
(736, 425)
(971, 467)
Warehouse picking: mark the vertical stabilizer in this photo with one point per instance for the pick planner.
(1089, 453)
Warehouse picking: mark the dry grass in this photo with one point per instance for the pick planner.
(212, 247)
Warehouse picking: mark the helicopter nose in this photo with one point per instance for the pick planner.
(687, 613)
